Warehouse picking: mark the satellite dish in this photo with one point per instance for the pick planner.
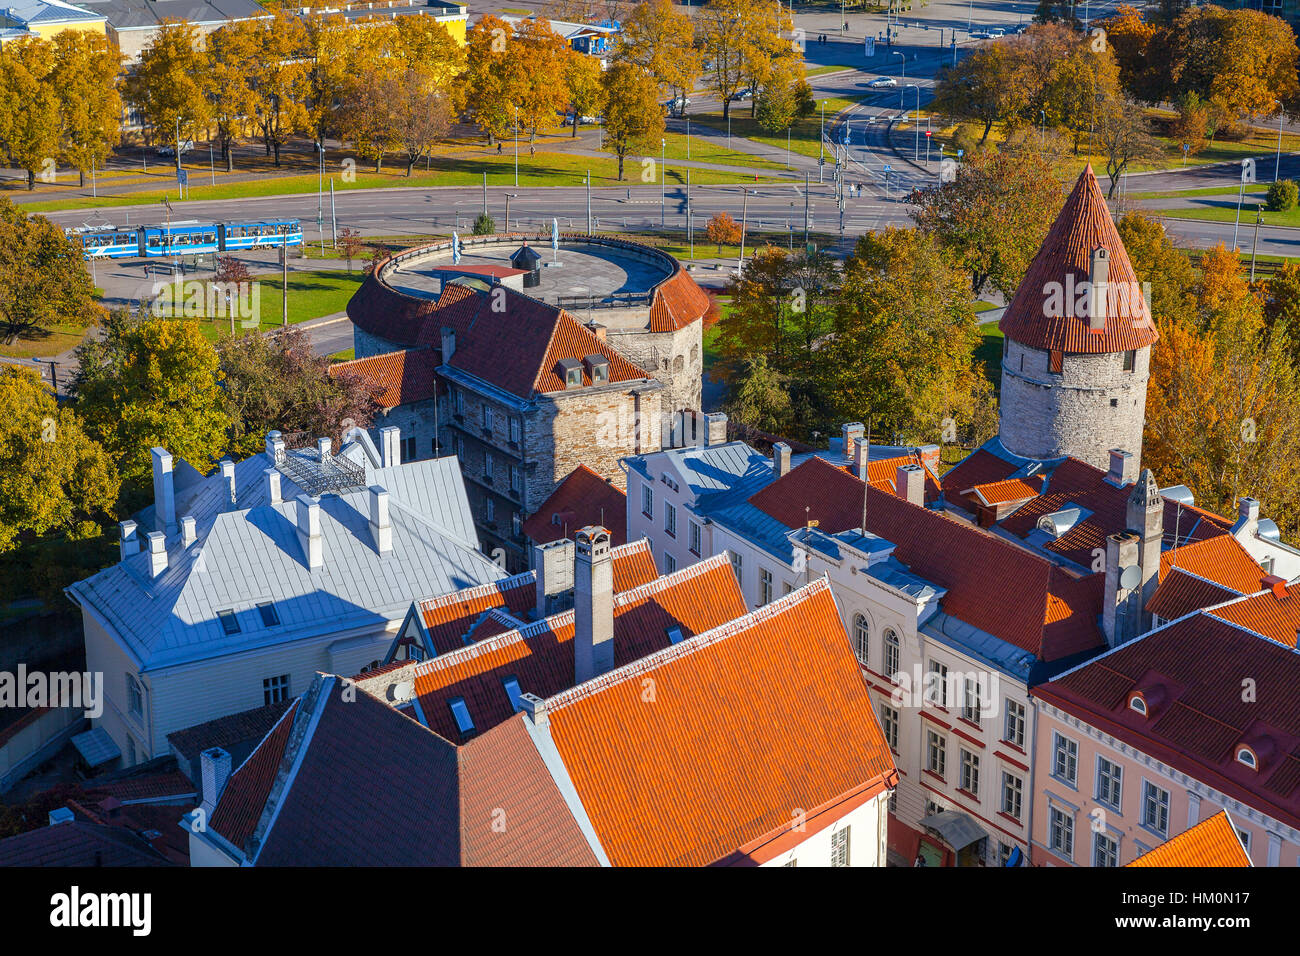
(1130, 577)
(402, 690)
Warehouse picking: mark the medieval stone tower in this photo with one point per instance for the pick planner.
(1078, 342)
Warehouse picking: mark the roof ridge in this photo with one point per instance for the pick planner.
(476, 591)
(689, 645)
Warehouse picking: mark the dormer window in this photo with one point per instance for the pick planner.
(1247, 757)
(460, 714)
(1138, 704)
(597, 367)
(571, 373)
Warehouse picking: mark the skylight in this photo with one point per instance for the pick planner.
(460, 713)
(512, 691)
(675, 635)
(270, 617)
(229, 623)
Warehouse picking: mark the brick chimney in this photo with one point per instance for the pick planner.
(861, 458)
(909, 481)
(390, 446)
(1145, 514)
(593, 605)
(851, 433)
(1121, 611)
(1247, 518)
(781, 459)
(164, 494)
(715, 428)
(553, 566)
(1123, 468)
(309, 535)
(381, 526)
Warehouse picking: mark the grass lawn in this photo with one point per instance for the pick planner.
(1256, 192)
(46, 343)
(805, 134)
(1226, 211)
(543, 169)
(982, 306)
(822, 70)
(989, 351)
(311, 296)
(345, 355)
(710, 151)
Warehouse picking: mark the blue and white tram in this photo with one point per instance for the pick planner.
(109, 243)
(269, 234)
(188, 238)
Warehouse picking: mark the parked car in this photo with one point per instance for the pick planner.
(678, 105)
(882, 82)
(746, 94)
(981, 35)
(994, 34)
(171, 150)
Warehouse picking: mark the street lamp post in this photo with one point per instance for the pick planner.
(821, 145)
(516, 147)
(902, 75)
(509, 196)
(787, 147)
(663, 183)
(589, 202)
(970, 9)
(917, 148)
(1277, 164)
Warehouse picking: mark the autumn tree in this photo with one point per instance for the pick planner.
(43, 279)
(982, 87)
(539, 67)
(337, 51)
(634, 120)
(90, 110)
(582, 78)
(1129, 37)
(370, 117)
(423, 44)
(1167, 269)
(421, 115)
(233, 51)
(167, 86)
(733, 45)
(660, 39)
(1082, 80)
(351, 245)
(992, 217)
(29, 107)
(722, 230)
(490, 80)
(281, 82)
(53, 476)
(152, 382)
(1124, 137)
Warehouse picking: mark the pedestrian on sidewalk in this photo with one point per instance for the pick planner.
(498, 149)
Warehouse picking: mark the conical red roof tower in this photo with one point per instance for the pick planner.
(1044, 315)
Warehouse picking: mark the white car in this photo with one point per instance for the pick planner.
(171, 150)
(994, 34)
(981, 35)
(744, 94)
(882, 83)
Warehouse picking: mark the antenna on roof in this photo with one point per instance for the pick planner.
(1178, 518)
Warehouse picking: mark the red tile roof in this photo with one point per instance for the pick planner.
(153, 787)
(992, 583)
(399, 377)
(1181, 592)
(1008, 491)
(1199, 666)
(677, 302)
(540, 655)
(582, 498)
(1276, 616)
(1212, 842)
(1221, 559)
(225, 732)
(1062, 264)
(240, 808)
(750, 724)
(78, 844)
(449, 618)
(978, 468)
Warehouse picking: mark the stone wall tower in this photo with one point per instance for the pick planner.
(1078, 333)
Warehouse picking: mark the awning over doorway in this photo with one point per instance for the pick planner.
(96, 747)
(957, 829)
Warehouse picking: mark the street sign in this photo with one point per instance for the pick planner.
(182, 177)
(960, 152)
(889, 169)
(927, 134)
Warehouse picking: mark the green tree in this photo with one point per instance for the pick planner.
(233, 52)
(582, 77)
(490, 80)
(43, 280)
(633, 117)
(992, 217)
(152, 381)
(984, 88)
(53, 476)
(758, 396)
(660, 39)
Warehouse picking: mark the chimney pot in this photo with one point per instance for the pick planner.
(189, 530)
(909, 481)
(534, 707)
(781, 458)
(1277, 584)
(157, 553)
(1123, 468)
(130, 542)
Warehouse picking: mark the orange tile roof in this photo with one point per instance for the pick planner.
(980, 467)
(1008, 490)
(749, 724)
(399, 377)
(582, 498)
(1062, 263)
(237, 814)
(1276, 616)
(678, 301)
(1212, 842)
(540, 655)
(1220, 559)
(449, 618)
(1181, 592)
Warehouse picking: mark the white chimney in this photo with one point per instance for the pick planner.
(1247, 518)
(1121, 607)
(1099, 270)
(189, 531)
(273, 493)
(323, 448)
(60, 815)
(130, 542)
(781, 458)
(861, 455)
(390, 446)
(715, 428)
(309, 535)
(534, 708)
(381, 528)
(448, 344)
(593, 605)
(214, 772)
(164, 495)
(1123, 468)
(228, 477)
(553, 562)
(157, 553)
(910, 483)
(274, 446)
(851, 433)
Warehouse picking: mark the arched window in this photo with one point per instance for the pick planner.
(1247, 756)
(679, 363)
(861, 638)
(892, 651)
(1138, 703)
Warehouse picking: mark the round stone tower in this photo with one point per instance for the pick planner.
(1077, 354)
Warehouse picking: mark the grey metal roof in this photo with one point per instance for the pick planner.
(142, 14)
(894, 573)
(710, 469)
(252, 554)
(968, 639)
(46, 11)
(957, 829)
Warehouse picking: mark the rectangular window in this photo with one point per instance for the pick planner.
(970, 709)
(1013, 795)
(1056, 362)
(694, 540)
(670, 520)
(408, 449)
(1155, 808)
(764, 586)
(738, 566)
(490, 510)
(1004, 852)
(970, 772)
(889, 724)
(1065, 759)
(647, 501)
(487, 418)
(1060, 832)
(460, 713)
(487, 466)
(1105, 851)
(514, 430)
(670, 563)
(458, 401)
(229, 623)
(1109, 779)
(515, 478)
(936, 681)
(936, 753)
(270, 617)
(1130, 360)
(1013, 728)
(786, 587)
(275, 689)
(840, 847)
(134, 696)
